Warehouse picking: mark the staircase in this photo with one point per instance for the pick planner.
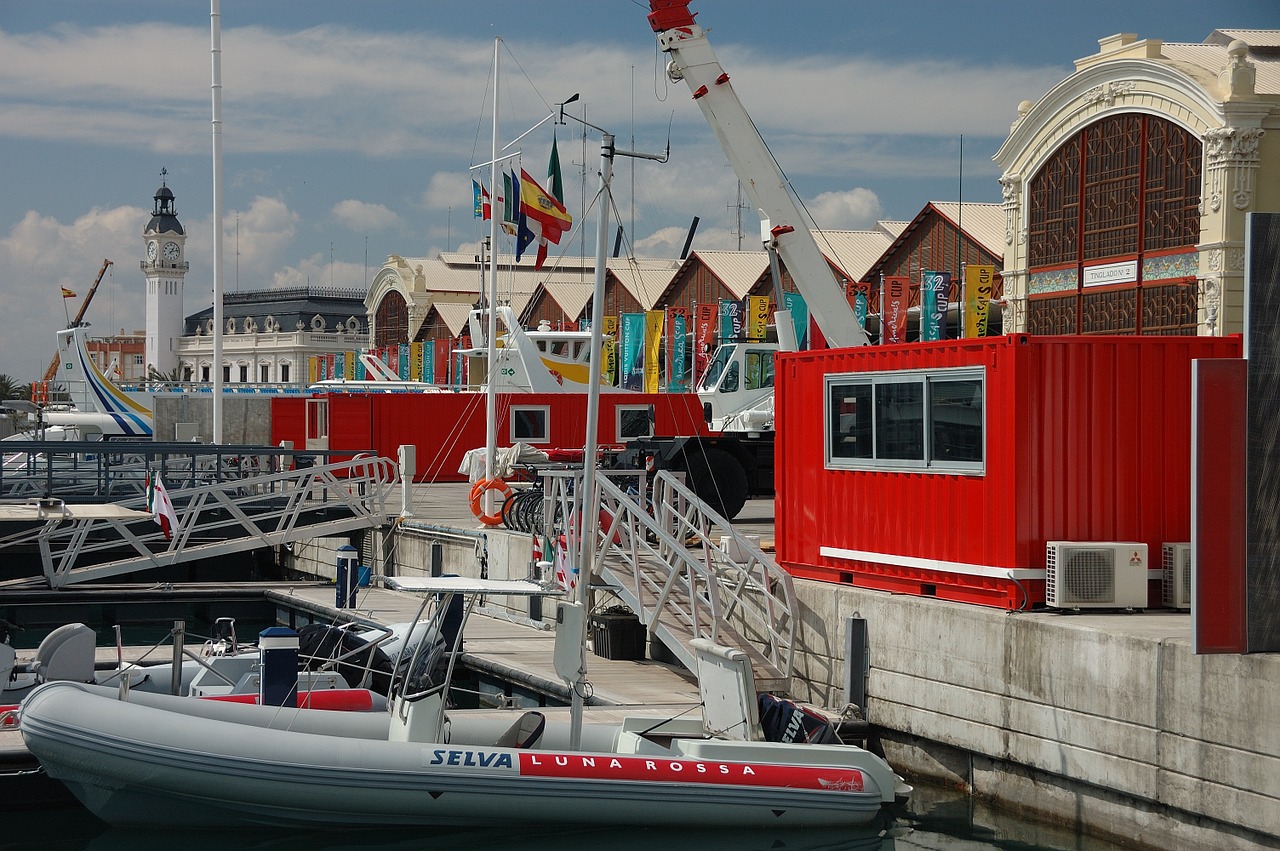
(683, 569)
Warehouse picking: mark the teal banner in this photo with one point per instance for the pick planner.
(402, 368)
(678, 381)
(730, 320)
(799, 317)
(934, 289)
(632, 371)
(860, 308)
(429, 363)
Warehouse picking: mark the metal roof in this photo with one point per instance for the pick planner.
(738, 271)
(983, 223)
(853, 251)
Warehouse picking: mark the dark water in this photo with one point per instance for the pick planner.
(936, 819)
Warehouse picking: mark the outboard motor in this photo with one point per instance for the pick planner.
(319, 644)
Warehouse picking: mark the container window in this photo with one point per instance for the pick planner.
(635, 421)
(925, 420)
(530, 425)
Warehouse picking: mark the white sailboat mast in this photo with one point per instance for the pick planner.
(215, 36)
(491, 396)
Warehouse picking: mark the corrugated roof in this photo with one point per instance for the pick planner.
(738, 271)
(571, 291)
(1213, 57)
(454, 315)
(853, 251)
(646, 284)
(984, 223)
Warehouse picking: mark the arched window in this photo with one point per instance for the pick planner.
(391, 320)
(1113, 222)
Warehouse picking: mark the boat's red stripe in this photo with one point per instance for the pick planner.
(595, 767)
(343, 699)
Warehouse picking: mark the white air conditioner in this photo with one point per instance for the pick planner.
(1089, 575)
(1177, 576)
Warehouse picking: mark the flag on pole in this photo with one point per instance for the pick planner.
(511, 204)
(66, 293)
(545, 213)
(160, 506)
(483, 209)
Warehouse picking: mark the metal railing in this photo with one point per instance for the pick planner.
(217, 515)
(662, 558)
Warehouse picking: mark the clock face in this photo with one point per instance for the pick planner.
(151, 250)
(171, 251)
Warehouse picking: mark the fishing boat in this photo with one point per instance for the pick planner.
(131, 759)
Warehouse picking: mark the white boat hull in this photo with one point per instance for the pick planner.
(153, 761)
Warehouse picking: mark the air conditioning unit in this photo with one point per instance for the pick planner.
(1177, 576)
(1089, 575)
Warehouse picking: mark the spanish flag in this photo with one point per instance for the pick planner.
(66, 293)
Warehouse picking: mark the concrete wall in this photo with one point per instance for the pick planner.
(245, 419)
(1106, 719)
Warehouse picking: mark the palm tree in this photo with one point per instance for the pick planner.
(11, 388)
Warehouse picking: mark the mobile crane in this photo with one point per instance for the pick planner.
(52, 371)
(737, 389)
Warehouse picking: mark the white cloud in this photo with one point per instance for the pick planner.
(362, 217)
(40, 255)
(853, 209)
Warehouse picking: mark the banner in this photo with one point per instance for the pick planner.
(402, 363)
(632, 372)
(703, 333)
(935, 291)
(653, 349)
(313, 371)
(757, 316)
(415, 361)
(979, 281)
(893, 318)
(609, 350)
(349, 364)
(429, 362)
(799, 318)
(677, 349)
(440, 364)
(730, 321)
(359, 373)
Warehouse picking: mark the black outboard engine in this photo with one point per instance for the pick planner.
(319, 644)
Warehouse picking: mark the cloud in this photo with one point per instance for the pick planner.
(40, 255)
(853, 209)
(362, 217)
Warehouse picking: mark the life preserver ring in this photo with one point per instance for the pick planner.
(478, 491)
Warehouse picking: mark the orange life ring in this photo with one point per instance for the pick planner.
(478, 491)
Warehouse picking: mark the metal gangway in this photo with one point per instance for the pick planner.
(227, 500)
(682, 568)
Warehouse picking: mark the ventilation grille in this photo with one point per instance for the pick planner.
(1177, 576)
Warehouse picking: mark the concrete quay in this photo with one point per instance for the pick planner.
(1105, 722)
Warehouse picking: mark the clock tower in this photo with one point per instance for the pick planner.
(165, 266)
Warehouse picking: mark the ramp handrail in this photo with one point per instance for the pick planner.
(217, 519)
(664, 565)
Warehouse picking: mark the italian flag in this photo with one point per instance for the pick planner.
(160, 506)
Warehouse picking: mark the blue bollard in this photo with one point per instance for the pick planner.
(278, 674)
(348, 576)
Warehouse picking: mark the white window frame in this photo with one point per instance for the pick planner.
(544, 411)
(927, 378)
(622, 410)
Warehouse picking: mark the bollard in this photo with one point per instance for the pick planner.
(348, 576)
(278, 673)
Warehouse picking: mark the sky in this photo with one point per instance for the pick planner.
(349, 130)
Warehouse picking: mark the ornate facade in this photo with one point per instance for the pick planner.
(1126, 186)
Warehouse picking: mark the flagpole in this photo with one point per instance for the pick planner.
(491, 397)
(215, 35)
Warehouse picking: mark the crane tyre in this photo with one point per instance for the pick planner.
(718, 480)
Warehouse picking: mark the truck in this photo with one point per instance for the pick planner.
(736, 391)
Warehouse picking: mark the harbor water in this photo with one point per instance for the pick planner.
(935, 819)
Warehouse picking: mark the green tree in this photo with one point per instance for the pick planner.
(11, 388)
